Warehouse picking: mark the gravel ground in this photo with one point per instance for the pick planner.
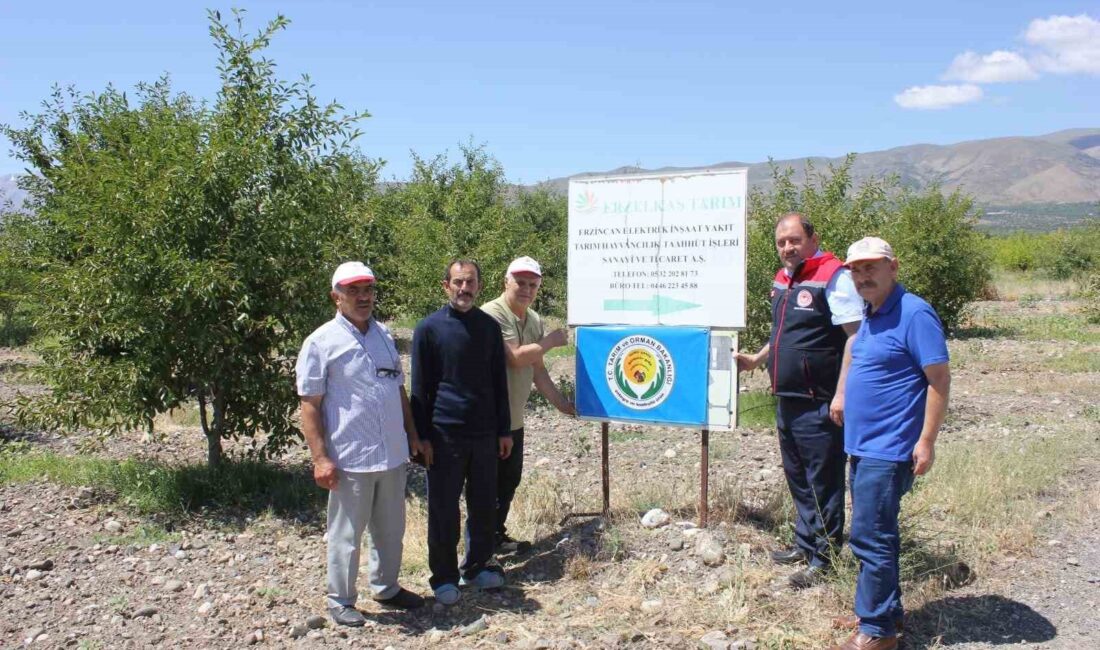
(79, 571)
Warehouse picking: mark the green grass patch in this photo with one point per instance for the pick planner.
(1031, 327)
(142, 535)
(186, 416)
(15, 373)
(404, 322)
(756, 410)
(986, 496)
(236, 487)
(1073, 361)
(271, 593)
(625, 435)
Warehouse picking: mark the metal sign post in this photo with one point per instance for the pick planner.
(657, 277)
(704, 479)
(605, 474)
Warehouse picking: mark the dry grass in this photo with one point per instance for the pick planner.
(414, 560)
(1014, 286)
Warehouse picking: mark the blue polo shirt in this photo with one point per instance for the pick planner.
(886, 389)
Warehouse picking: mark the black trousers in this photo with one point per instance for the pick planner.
(509, 474)
(812, 447)
(458, 462)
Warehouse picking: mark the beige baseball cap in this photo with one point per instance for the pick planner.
(869, 248)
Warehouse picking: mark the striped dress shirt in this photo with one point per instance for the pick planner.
(361, 409)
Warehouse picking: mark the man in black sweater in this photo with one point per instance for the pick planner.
(460, 403)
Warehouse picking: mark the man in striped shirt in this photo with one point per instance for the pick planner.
(359, 427)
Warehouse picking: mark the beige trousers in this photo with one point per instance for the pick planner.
(375, 502)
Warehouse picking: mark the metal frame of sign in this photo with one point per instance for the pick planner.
(722, 341)
(722, 383)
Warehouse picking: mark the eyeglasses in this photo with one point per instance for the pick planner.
(387, 372)
(355, 291)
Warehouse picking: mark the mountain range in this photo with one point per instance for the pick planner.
(1014, 172)
(1061, 167)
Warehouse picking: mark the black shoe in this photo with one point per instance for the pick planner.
(403, 599)
(808, 577)
(792, 555)
(348, 616)
(506, 544)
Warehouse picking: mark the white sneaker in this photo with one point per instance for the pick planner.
(447, 594)
(487, 579)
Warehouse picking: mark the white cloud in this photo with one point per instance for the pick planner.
(1000, 66)
(935, 97)
(1067, 44)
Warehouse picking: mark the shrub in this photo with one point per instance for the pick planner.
(942, 256)
(1061, 254)
(1016, 252)
(1090, 295)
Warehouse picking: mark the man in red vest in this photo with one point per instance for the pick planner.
(815, 312)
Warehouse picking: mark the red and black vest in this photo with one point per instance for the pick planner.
(806, 348)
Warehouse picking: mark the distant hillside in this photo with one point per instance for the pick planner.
(1059, 168)
(1038, 182)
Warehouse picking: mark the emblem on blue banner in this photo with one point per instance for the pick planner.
(640, 372)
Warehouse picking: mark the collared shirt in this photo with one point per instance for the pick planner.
(886, 390)
(361, 411)
(844, 302)
(525, 331)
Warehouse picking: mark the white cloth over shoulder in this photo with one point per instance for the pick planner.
(844, 301)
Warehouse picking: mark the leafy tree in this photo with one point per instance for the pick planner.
(186, 247)
(943, 258)
(463, 209)
(840, 216)
(16, 273)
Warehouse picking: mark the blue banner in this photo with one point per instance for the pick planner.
(643, 374)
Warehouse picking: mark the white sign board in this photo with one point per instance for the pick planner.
(658, 249)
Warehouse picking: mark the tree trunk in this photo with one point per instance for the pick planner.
(212, 430)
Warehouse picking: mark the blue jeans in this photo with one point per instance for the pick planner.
(877, 487)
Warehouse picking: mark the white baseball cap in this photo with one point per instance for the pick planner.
(349, 272)
(869, 248)
(524, 265)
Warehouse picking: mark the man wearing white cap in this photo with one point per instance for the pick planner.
(896, 382)
(525, 343)
(359, 427)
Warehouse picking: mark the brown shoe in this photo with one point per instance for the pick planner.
(860, 641)
(851, 622)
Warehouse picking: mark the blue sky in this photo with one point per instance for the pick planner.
(558, 88)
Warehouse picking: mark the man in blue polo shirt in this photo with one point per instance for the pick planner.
(896, 382)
